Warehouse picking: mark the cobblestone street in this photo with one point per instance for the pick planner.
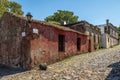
(99, 65)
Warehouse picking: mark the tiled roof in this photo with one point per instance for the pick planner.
(57, 26)
(82, 22)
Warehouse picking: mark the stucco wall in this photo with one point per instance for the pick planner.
(103, 41)
(108, 41)
(113, 41)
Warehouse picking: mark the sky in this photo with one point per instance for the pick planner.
(94, 11)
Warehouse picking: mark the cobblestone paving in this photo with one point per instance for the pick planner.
(99, 65)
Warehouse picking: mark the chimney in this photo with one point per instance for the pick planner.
(107, 22)
(63, 23)
(107, 25)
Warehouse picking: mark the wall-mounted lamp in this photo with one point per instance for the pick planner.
(29, 17)
(28, 30)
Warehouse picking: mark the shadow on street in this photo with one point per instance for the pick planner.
(4, 70)
(115, 72)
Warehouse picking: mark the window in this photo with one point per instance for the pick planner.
(61, 43)
(105, 30)
(78, 44)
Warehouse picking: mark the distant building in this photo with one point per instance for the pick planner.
(93, 32)
(109, 35)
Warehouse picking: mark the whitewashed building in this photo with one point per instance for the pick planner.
(109, 35)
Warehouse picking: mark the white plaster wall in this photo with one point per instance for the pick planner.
(113, 41)
(102, 29)
(106, 41)
(103, 40)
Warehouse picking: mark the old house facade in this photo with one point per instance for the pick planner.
(51, 43)
(92, 31)
(109, 36)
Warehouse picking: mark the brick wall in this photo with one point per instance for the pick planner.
(10, 40)
(26, 52)
(45, 48)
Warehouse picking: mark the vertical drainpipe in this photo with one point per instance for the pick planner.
(107, 32)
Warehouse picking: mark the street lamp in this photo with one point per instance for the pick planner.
(29, 17)
(29, 31)
(28, 26)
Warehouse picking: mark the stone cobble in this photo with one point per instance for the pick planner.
(99, 65)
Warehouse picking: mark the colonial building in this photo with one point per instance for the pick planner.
(109, 36)
(26, 44)
(92, 31)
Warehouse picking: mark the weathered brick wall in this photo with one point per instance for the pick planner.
(10, 40)
(26, 52)
(91, 45)
(45, 48)
(70, 44)
(84, 44)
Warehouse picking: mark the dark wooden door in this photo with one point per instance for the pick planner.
(78, 44)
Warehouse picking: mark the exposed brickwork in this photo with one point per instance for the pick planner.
(45, 48)
(10, 40)
(91, 45)
(27, 52)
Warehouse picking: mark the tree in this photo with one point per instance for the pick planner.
(15, 8)
(6, 5)
(3, 6)
(61, 16)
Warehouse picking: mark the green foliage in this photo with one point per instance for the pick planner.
(96, 46)
(6, 5)
(62, 15)
(53, 22)
(3, 6)
(100, 45)
(15, 8)
(111, 46)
